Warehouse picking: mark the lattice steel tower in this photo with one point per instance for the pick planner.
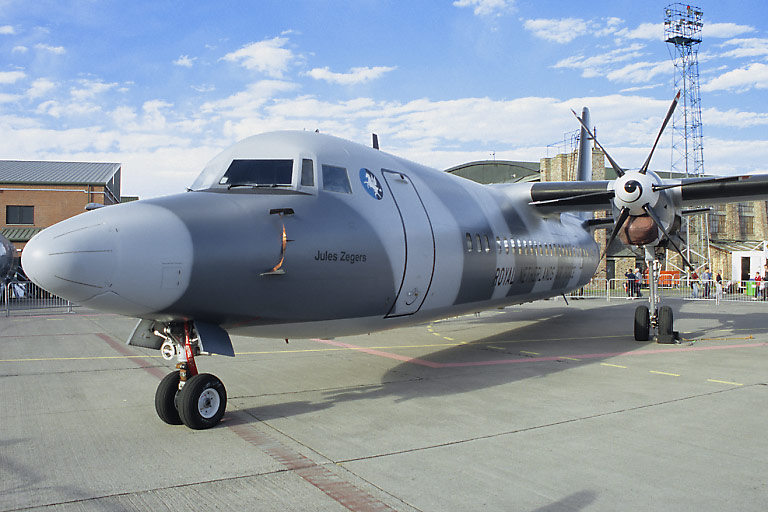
(682, 33)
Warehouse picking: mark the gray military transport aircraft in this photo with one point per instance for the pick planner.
(299, 234)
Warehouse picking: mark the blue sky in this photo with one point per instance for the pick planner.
(163, 86)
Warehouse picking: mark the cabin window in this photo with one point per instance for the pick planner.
(335, 179)
(487, 244)
(498, 245)
(506, 246)
(307, 173)
(258, 173)
(20, 215)
(469, 242)
(479, 244)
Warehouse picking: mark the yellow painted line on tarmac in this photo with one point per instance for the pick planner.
(614, 365)
(665, 373)
(530, 353)
(569, 358)
(447, 338)
(725, 382)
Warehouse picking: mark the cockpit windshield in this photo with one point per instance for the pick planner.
(258, 173)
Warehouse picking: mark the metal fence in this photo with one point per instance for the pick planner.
(23, 297)
(689, 289)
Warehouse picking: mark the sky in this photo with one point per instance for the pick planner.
(163, 86)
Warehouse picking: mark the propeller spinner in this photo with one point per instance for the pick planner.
(638, 198)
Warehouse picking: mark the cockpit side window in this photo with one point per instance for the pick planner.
(266, 173)
(335, 179)
(307, 173)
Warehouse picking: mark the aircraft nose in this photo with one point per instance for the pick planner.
(75, 259)
(131, 259)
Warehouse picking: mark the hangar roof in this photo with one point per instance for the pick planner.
(70, 173)
(497, 171)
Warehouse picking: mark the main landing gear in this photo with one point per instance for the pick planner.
(652, 318)
(198, 400)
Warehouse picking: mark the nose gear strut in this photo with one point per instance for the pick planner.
(198, 400)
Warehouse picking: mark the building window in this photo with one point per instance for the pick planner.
(20, 215)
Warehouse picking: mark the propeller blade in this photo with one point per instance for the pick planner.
(658, 223)
(706, 180)
(619, 170)
(607, 194)
(623, 215)
(671, 110)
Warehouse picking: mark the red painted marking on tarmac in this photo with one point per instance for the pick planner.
(431, 364)
(142, 363)
(334, 486)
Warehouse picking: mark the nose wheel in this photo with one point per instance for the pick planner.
(197, 400)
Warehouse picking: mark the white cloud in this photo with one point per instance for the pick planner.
(90, 89)
(40, 88)
(487, 7)
(562, 30)
(354, 76)
(596, 65)
(20, 49)
(269, 57)
(754, 75)
(724, 30)
(646, 31)
(750, 47)
(11, 77)
(9, 98)
(640, 72)
(57, 50)
(609, 26)
(248, 102)
(7, 30)
(185, 61)
(733, 118)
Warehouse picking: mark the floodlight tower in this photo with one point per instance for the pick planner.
(682, 33)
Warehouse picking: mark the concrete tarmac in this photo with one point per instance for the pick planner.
(540, 407)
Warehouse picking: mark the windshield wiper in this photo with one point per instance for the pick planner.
(257, 185)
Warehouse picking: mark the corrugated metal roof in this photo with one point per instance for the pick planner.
(71, 173)
(19, 234)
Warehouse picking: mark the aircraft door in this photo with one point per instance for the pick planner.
(419, 245)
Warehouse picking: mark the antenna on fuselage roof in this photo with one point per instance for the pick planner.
(375, 141)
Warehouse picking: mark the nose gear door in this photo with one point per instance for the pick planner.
(419, 245)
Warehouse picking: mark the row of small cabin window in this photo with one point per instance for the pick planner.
(480, 244)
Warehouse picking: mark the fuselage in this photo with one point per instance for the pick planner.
(298, 234)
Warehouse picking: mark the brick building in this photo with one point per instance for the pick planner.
(35, 195)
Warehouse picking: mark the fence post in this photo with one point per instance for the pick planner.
(6, 297)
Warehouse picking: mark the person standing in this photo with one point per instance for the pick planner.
(630, 284)
(758, 283)
(638, 280)
(707, 278)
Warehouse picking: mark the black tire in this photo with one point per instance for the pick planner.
(665, 321)
(642, 323)
(165, 399)
(202, 401)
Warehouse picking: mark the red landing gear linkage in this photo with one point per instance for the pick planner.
(197, 400)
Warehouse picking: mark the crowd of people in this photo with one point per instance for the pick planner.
(708, 285)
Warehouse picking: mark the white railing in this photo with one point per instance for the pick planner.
(689, 289)
(23, 296)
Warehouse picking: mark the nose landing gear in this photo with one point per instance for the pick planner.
(198, 400)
